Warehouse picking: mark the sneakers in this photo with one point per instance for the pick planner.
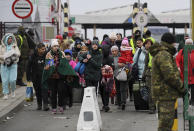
(54, 111)
(39, 107)
(107, 108)
(13, 94)
(5, 97)
(123, 107)
(61, 110)
(45, 107)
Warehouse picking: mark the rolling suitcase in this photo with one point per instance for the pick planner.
(139, 102)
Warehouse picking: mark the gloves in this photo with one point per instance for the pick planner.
(183, 91)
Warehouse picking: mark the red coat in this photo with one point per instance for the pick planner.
(126, 56)
(180, 64)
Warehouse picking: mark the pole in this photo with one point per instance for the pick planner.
(66, 20)
(192, 2)
(94, 29)
(86, 35)
(142, 27)
(124, 32)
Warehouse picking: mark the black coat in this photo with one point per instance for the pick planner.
(107, 58)
(93, 66)
(35, 67)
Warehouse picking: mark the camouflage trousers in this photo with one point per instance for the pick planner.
(166, 115)
(148, 84)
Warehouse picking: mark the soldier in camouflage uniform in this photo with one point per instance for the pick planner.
(166, 83)
(24, 49)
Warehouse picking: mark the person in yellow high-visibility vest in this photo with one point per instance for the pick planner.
(147, 74)
(24, 49)
(148, 36)
(133, 40)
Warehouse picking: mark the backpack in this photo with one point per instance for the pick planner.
(80, 68)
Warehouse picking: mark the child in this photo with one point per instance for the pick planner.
(84, 49)
(69, 93)
(68, 56)
(107, 83)
(126, 53)
(34, 73)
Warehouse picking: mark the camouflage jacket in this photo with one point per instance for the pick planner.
(166, 83)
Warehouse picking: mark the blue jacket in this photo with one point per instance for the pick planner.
(141, 61)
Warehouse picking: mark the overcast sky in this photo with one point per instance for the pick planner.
(156, 6)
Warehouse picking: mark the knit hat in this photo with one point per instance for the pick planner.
(95, 42)
(168, 38)
(67, 51)
(54, 42)
(189, 42)
(114, 48)
(125, 42)
(113, 36)
(60, 37)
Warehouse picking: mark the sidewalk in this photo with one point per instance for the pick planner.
(12, 104)
(129, 119)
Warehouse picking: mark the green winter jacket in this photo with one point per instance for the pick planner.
(93, 66)
(64, 69)
(166, 83)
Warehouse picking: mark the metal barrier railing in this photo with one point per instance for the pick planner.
(187, 115)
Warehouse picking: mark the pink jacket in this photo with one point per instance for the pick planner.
(72, 63)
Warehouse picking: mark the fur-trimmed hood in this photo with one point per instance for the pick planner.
(5, 38)
(9, 50)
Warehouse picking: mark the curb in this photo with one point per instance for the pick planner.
(12, 108)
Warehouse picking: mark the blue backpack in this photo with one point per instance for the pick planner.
(80, 68)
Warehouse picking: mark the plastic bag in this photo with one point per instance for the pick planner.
(29, 92)
(122, 75)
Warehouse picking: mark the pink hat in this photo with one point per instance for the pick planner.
(125, 41)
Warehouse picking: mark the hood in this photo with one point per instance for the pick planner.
(105, 50)
(107, 41)
(68, 51)
(5, 38)
(21, 30)
(155, 48)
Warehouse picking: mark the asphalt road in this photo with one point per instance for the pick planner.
(29, 119)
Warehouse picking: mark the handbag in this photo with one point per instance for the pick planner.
(80, 68)
(122, 75)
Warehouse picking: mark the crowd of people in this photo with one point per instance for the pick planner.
(112, 65)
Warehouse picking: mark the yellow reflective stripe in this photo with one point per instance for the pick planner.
(21, 41)
(150, 61)
(132, 45)
(144, 40)
(152, 39)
